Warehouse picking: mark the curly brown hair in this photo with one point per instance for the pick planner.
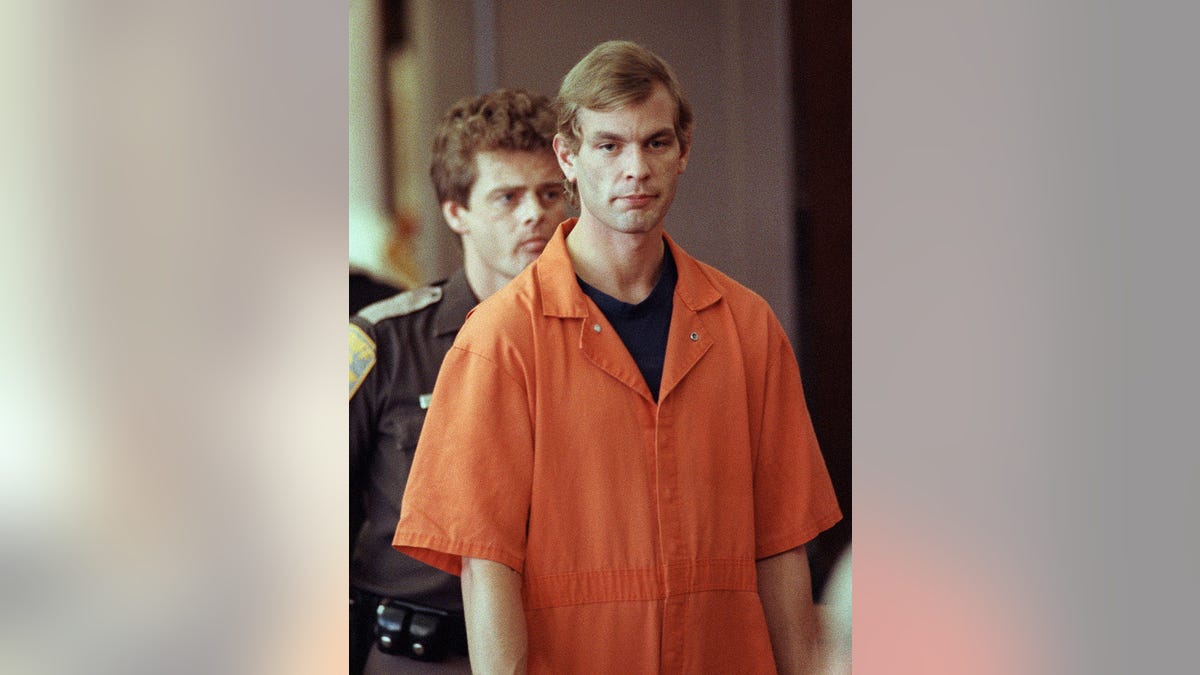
(505, 119)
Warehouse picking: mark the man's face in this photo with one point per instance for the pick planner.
(628, 164)
(515, 204)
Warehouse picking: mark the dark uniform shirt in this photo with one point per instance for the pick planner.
(396, 348)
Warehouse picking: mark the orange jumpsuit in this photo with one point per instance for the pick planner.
(635, 525)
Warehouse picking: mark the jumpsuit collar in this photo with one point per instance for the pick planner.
(562, 297)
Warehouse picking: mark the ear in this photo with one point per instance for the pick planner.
(687, 150)
(566, 158)
(452, 212)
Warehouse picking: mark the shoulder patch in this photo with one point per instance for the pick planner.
(403, 303)
(362, 357)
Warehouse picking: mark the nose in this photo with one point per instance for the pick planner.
(636, 167)
(532, 210)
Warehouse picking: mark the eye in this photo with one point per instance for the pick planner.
(507, 197)
(607, 147)
(552, 194)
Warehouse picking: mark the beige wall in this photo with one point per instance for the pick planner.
(368, 185)
(734, 207)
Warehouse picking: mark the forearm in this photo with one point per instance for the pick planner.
(785, 587)
(496, 632)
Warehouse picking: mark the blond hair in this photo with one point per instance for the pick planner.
(613, 75)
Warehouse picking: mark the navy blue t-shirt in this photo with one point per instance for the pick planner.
(643, 327)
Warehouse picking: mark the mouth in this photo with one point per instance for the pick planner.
(533, 245)
(636, 200)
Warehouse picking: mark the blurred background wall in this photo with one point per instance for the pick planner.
(766, 197)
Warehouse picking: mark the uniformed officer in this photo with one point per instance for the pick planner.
(500, 189)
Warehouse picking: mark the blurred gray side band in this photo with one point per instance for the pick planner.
(1025, 318)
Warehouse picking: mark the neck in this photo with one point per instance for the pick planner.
(480, 278)
(623, 265)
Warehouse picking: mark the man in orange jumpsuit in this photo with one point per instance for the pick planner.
(618, 459)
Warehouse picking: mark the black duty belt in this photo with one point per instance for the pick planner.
(417, 631)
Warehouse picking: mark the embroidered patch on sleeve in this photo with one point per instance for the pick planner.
(362, 357)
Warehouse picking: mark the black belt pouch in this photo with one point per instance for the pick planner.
(419, 632)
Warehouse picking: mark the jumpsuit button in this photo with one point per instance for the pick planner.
(596, 327)
(695, 337)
